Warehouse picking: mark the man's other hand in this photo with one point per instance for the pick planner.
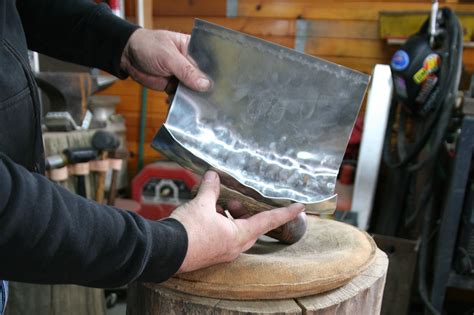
(214, 238)
(151, 57)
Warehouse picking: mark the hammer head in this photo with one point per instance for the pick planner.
(105, 141)
(80, 155)
(55, 161)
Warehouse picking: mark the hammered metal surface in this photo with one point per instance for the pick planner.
(275, 120)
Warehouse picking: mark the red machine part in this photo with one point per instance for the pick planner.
(161, 187)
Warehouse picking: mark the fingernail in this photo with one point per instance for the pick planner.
(203, 84)
(210, 176)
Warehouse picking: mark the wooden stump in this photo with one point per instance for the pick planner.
(334, 269)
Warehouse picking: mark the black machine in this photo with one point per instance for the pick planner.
(426, 120)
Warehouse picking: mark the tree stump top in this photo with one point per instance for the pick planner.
(329, 256)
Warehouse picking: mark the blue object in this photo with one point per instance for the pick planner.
(400, 60)
(3, 296)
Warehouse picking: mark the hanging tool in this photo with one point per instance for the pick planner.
(116, 162)
(434, 28)
(103, 142)
(56, 168)
(78, 161)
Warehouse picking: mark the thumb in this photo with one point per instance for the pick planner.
(189, 74)
(210, 187)
(266, 221)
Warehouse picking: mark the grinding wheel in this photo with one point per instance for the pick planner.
(327, 257)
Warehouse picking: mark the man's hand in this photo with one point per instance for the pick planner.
(151, 57)
(214, 238)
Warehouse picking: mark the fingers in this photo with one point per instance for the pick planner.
(266, 221)
(209, 189)
(182, 42)
(236, 209)
(150, 81)
(187, 73)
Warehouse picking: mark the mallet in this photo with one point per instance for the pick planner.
(103, 141)
(78, 159)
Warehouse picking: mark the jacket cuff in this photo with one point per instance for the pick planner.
(115, 32)
(168, 249)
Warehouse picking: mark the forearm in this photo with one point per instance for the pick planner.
(77, 31)
(48, 235)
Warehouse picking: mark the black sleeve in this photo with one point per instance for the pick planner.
(77, 31)
(49, 235)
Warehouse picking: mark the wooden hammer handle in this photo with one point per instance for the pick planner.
(288, 233)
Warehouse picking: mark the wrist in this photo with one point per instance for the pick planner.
(125, 59)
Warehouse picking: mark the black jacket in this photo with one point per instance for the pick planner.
(47, 234)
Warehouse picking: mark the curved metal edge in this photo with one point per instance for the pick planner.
(165, 143)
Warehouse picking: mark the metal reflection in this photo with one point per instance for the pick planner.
(275, 124)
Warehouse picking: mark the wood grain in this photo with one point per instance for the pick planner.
(333, 10)
(253, 26)
(349, 47)
(189, 8)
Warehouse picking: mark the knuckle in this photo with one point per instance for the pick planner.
(188, 72)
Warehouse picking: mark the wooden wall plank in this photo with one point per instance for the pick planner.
(348, 47)
(403, 25)
(190, 8)
(253, 26)
(343, 29)
(152, 120)
(342, 10)
(150, 132)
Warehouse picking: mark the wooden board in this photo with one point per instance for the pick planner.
(189, 8)
(405, 24)
(363, 48)
(362, 295)
(253, 26)
(333, 10)
(342, 29)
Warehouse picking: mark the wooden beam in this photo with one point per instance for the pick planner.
(148, 13)
(322, 9)
(405, 24)
(252, 26)
(343, 29)
(190, 8)
(347, 47)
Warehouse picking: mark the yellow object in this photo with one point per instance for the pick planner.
(406, 23)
